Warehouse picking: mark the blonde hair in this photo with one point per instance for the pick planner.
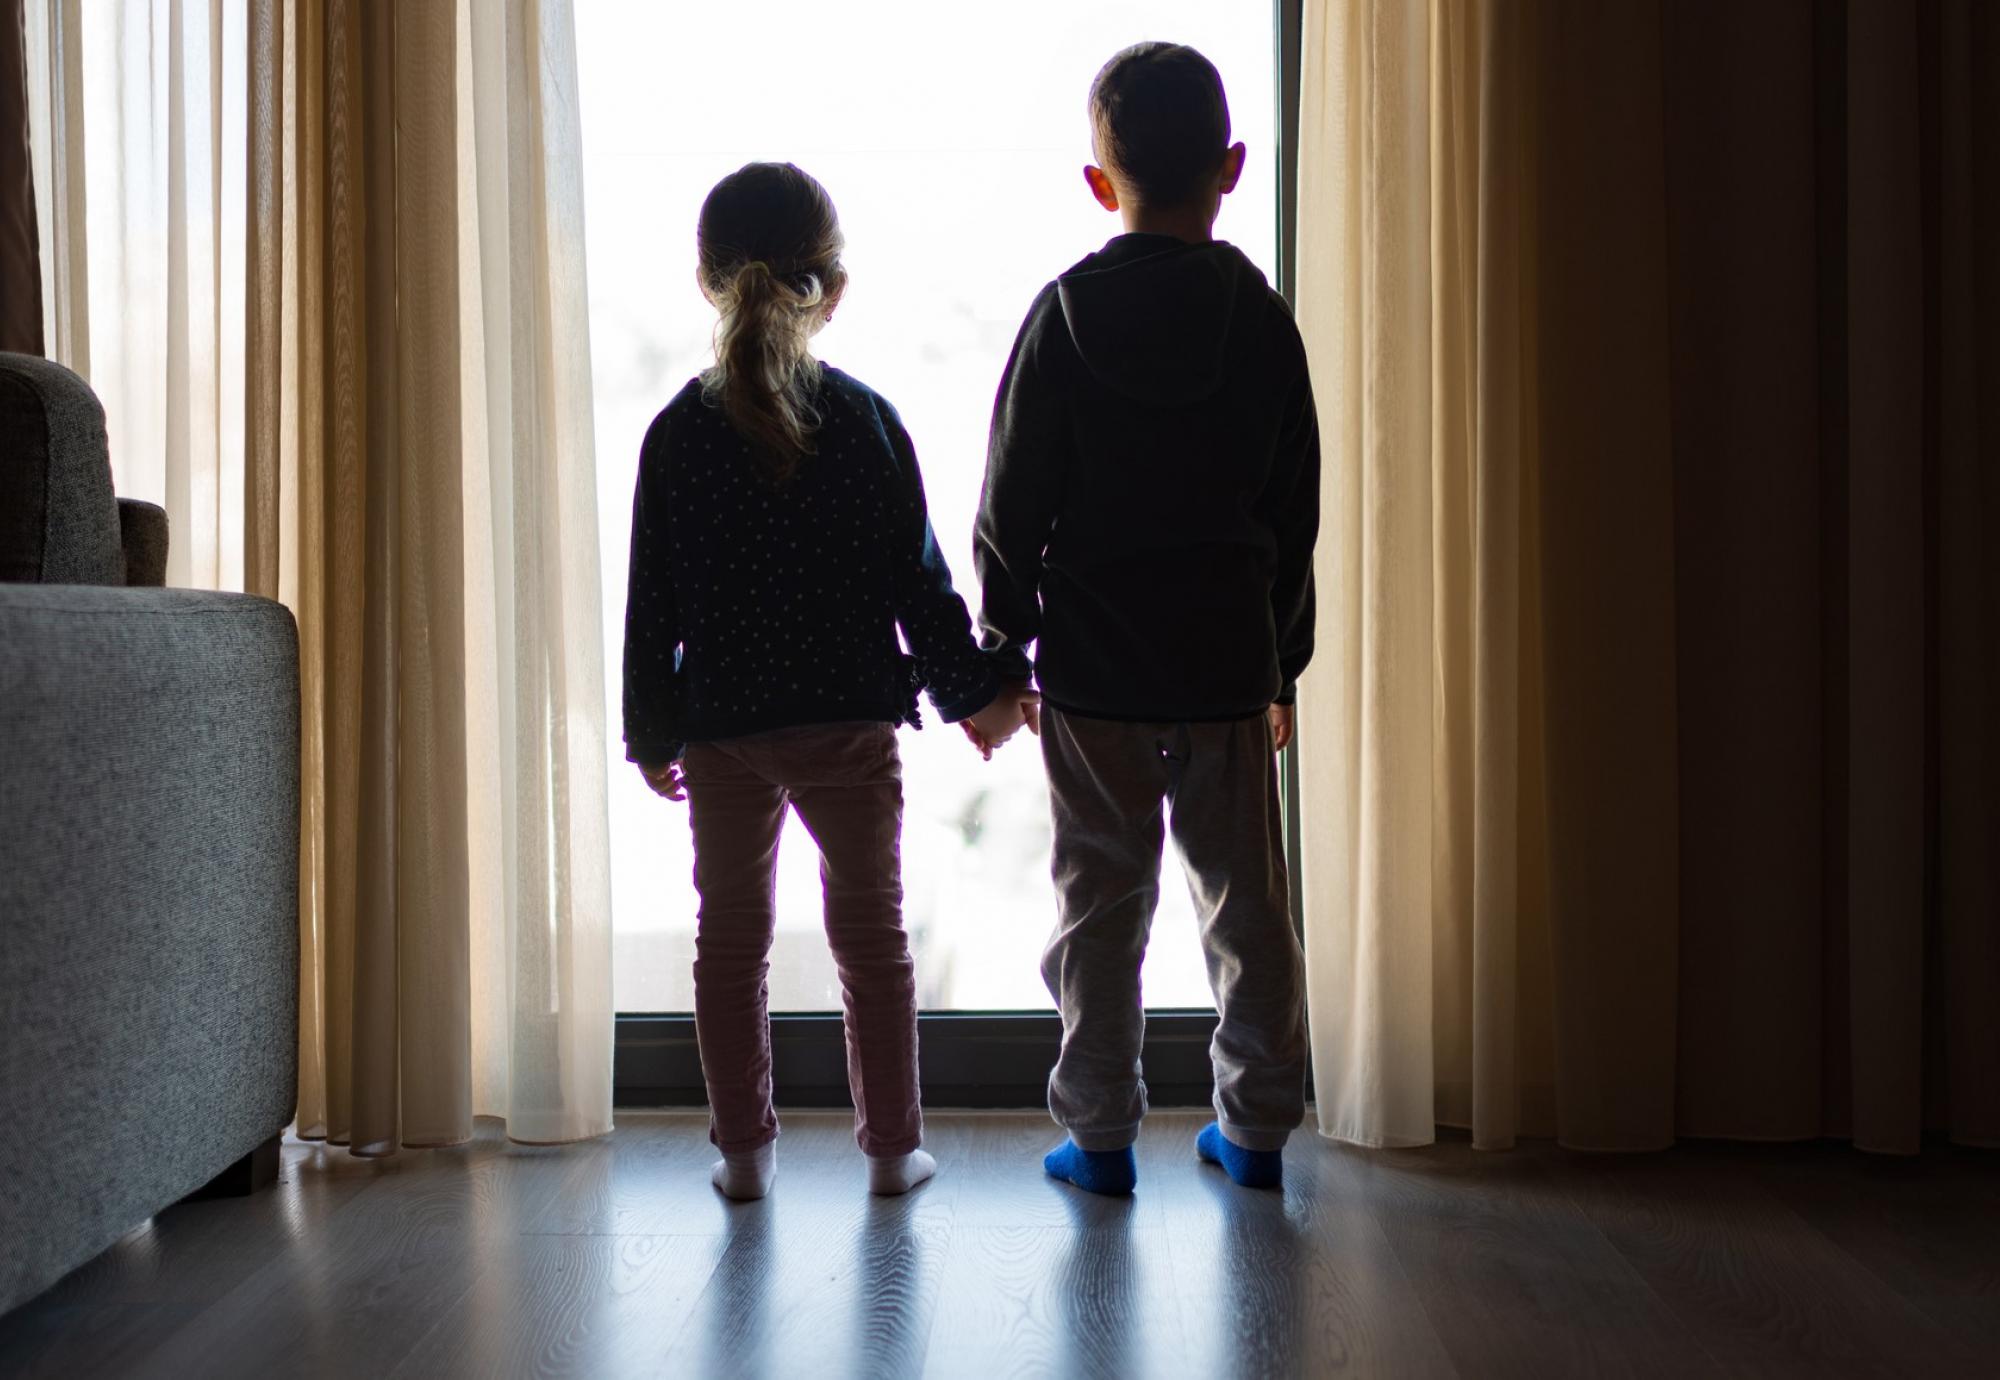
(770, 247)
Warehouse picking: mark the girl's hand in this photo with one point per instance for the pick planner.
(665, 779)
(1031, 712)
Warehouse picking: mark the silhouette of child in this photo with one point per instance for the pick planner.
(780, 539)
(1148, 522)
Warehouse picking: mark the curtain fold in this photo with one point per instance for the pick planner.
(1966, 515)
(339, 330)
(459, 947)
(1649, 776)
(54, 56)
(143, 270)
(20, 254)
(1758, 923)
(532, 556)
(1605, 475)
(1424, 884)
(1364, 199)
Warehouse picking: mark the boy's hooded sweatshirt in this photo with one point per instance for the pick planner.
(1152, 488)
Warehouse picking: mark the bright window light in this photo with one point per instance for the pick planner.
(952, 139)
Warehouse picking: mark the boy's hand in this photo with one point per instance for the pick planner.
(984, 748)
(1281, 726)
(1013, 708)
(665, 779)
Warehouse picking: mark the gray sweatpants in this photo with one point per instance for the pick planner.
(1115, 788)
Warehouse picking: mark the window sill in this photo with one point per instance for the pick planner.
(966, 1059)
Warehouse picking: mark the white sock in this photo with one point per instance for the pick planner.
(747, 1175)
(891, 1174)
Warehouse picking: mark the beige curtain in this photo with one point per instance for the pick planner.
(373, 402)
(542, 846)
(21, 314)
(1426, 938)
(1644, 789)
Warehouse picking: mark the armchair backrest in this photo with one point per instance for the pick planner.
(59, 521)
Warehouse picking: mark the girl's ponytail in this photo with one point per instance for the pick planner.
(770, 262)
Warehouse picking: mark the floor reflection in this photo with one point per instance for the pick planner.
(1098, 1286)
(894, 1290)
(818, 1279)
(1255, 1256)
(730, 1332)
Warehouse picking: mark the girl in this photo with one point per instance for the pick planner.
(779, 540)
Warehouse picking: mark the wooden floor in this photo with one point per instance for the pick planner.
(616, 1258)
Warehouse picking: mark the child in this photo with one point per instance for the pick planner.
(779, 540)
(1148, 520)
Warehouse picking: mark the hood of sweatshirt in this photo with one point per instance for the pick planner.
(1157, 320)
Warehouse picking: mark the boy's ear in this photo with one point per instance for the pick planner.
(1100, 186)
(1232, 167)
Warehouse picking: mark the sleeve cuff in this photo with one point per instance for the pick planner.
(1289, 694)
(1011, 663)
(970, 703)
(1007, 666)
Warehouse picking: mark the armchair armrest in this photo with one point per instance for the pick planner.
(149, 942)
(142, 532)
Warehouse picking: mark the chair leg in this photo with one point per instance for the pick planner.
(258, 1169)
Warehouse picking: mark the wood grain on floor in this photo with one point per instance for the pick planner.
(615, 1258)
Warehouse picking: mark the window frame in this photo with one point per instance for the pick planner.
(989, 1058)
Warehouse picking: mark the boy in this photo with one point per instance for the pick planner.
(1151, 501)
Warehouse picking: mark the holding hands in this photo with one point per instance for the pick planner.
(1014, 708)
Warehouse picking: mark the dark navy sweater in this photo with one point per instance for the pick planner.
(1152, 488)
(756, 605)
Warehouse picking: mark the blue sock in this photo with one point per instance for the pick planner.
(1249, 1168)
(1097, 1171)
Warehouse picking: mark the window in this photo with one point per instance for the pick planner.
(951, 138)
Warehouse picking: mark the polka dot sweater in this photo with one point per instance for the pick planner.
(755, 606)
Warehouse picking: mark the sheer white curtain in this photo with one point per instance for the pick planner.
(142, 250)
(532, 574)
(350, 231)
(54, 33)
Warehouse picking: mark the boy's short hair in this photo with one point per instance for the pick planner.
(1161, 120)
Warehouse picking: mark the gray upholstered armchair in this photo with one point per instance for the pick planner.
(148, 854)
